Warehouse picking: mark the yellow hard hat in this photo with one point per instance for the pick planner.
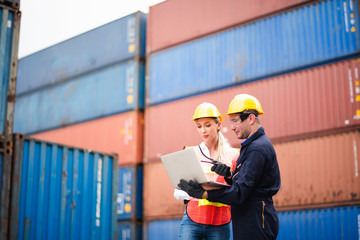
(206, 110)
(242, 102)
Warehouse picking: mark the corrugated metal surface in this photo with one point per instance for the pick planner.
(129, 231)
(305, 103)
(118, 41)
(164, 229)
(319, 171)
(129, 197)
(60, 192)
(173, 22)
(159, 201)
(5, 180)
(329, 223)
(307, 36)
(116, 89)
(9, 41)
(311, 174)
(121, 133)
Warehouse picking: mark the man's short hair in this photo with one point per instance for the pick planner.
(250, 111)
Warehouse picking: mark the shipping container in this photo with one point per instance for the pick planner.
(162, 229)
(158, 197)
(315, 34)
(129, 231)
(112, 43)
(173, 22)
(5, 180)
(61, 192)
(311, 176)
(328, 223)
(320, 171)
(121, 133)
(118, 88)
(130, 193)
(306, 103)
(9, 42)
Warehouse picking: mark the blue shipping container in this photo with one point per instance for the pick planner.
(314, 34)
(129, 198)
(113, 90)
(129, 231)
(61, 192)
(317, 224)
(162, 229)
(115, 42)
(329, 223)
(9, 41)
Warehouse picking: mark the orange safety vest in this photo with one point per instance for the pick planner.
(206, 212)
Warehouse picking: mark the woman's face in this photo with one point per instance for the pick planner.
(208, 129)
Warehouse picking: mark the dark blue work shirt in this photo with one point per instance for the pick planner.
(255, 180)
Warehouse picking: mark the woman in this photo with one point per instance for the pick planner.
(203, 219)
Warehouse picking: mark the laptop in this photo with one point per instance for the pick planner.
(184, 164)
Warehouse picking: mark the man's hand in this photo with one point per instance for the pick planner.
(221, 169)
(192, 188)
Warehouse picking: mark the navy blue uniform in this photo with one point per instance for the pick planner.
(255, 180)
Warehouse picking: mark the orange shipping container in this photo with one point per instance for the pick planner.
(121, 134)
(173, 22)
(319, 172)
(306, 103)
(159, 201)
(315, 172)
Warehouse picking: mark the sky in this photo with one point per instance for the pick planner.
(47, 22)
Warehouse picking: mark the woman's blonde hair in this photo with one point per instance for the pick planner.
(223, 149)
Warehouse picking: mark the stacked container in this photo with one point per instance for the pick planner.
(88, 92)
(300, 59)
(9, 41)
(62, 192)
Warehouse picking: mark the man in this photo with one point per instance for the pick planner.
(255, 180)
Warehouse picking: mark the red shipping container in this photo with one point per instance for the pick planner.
(315, 172)
(173, 22)
(159, 201)
(320, 100)
(121, 134)
(319, 172)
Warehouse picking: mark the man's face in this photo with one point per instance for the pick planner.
(240, 127)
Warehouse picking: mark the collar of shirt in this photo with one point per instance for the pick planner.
(258, 133)
(204, 149)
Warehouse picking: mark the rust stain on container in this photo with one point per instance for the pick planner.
(159, 201)
(319, 171)
(320, 100)
(121, 134)
(173, 22)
